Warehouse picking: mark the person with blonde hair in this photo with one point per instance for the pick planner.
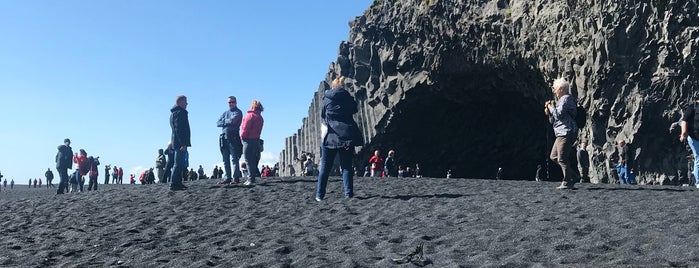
(250, 132)
(562, 116)
(342, 136)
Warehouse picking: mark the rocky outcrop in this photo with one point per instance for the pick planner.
(460, 85)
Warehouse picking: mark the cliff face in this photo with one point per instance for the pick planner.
(460, 85)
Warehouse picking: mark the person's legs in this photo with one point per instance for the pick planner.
(251, 148)
(347, 174)
(177, 169)
(623, 175)
(226, 155)
(63, 180)
(327, 157)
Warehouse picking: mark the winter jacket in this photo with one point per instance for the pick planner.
(179, 122)
(338, 108)
(64, 157)
(251, 127)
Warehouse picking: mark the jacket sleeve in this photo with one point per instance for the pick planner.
(222, 121)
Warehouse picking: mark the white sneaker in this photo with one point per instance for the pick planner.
(318, 199)
(247, 183)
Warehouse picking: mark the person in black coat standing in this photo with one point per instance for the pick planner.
(340, 134)
(179, 122)
(584, 162)
(64, 161)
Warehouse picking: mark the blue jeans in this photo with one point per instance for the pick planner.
(623, 174)
(327, 158)
(228, 152)
(694, 144)
(178, 168)
(251, 149)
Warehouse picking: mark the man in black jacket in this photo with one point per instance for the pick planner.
(64, 161)
(179, 122)
(49, 178)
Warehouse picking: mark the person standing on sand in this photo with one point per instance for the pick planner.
(342, 136)
(390, 164)
(562, 117)
(64, 162)
(180, 140)
(229, 141)
(584, 162)
(160, 162)
(49, 178)
(250, 132)
(107, 168)
(12, 183)
(93, 172)
(120, 173)
(376, 163)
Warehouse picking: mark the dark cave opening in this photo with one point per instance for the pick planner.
(472, 124)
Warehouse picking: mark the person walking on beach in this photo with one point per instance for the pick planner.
(12, 183)
(4, 184)
(160, 163)
(561, 115)
(229, 141)
(342, 136)
(49, 178)
(64, 162)
(180, 140)
(376, 163)
(250, 132)
(170, 153)
(584, 162)
(690, 132)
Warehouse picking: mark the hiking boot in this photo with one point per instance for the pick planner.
(226, 181)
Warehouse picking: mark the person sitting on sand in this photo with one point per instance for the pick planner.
(342, 136)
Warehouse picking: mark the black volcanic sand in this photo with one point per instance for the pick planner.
(277, 223)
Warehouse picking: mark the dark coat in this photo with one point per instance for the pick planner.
(179, 122)
(338, 108)
(64, 157)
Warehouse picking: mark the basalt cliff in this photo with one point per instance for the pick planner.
(460, 85)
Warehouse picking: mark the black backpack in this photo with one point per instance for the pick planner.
(695, 122)
(580, 116)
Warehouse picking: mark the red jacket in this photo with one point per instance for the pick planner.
(378, 163)
(251, 127)
(83, 165)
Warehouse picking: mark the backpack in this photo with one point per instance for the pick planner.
(580, 116)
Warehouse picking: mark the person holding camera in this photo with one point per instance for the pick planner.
(561, 115)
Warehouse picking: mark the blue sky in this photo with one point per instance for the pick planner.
(105, 74)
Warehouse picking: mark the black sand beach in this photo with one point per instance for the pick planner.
(277, 223)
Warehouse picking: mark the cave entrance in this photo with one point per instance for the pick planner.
(472, 123)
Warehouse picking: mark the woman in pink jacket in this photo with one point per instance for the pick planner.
(250, 130)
